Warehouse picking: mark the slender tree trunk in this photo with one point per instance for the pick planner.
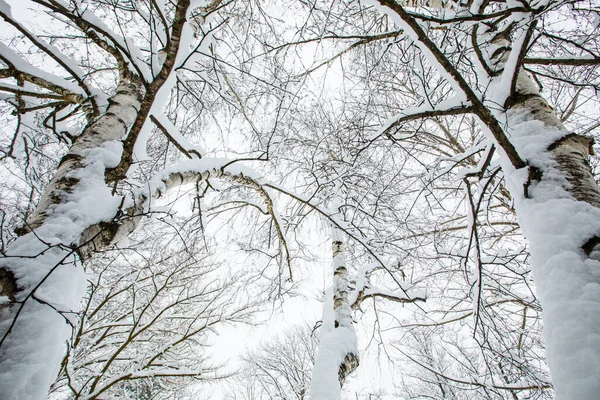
(338, 353)
(41, 277)
(341, 307)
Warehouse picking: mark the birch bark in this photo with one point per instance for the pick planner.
(338, 351)
(44, 281)
(41, 279)
(557, 205)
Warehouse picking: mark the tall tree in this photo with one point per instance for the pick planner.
(98, 76)
(481, 50)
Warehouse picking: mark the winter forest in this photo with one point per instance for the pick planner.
(299, 199)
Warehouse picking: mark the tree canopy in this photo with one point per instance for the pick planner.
(409, 184)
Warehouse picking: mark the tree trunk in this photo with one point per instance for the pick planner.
(338, 353)
(557, 202)
(558, 213)
(42, 276)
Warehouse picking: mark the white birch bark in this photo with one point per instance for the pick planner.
(557, 205)
(338, 350)
(43, 281)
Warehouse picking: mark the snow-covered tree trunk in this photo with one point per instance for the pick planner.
(338, 350)
(557, 200)
(43, 281)
(41, 277)
(558, 206)
(341, 306)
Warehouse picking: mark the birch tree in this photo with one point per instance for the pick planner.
(555, 191)
(482, 50)
(98, 76)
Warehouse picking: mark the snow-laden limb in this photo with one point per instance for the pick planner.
(361, 290)
(175, 137)
(182, 43)
(157, 92)
(452, 106)
(38, 76)
(87, 20)
(197, 170)
(83, 84)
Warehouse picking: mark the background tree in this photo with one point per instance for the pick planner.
(278, 369)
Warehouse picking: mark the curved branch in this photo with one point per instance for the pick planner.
(194, 171)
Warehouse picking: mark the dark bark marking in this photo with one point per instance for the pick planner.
(8, 284)
(349, 364)
(518, 98)
(534, 175)
(590, 245)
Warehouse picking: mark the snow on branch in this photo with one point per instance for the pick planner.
(196, 170)
(453, 106)
(65, 62)
(462, 88)
(88, 21)
(18, 67)
(175, 137)
(387, 295)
